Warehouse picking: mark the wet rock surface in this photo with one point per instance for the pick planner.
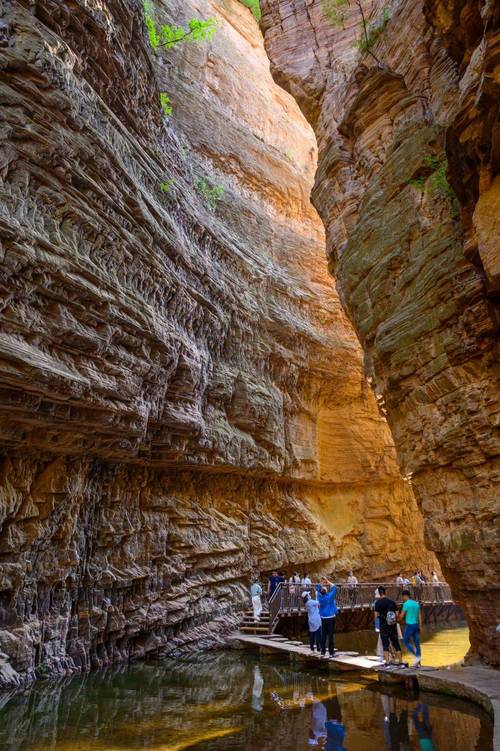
(407, 187)
(182, 396)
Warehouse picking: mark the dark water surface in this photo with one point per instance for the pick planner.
(229, 701)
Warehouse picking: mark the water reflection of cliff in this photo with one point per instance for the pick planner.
(221, 702)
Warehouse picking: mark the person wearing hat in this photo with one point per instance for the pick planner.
(313, 621)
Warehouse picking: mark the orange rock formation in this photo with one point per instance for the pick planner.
(183, 397)
(407, 187)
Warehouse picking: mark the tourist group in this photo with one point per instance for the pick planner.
(321, 605)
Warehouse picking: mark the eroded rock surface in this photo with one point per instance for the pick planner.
(183, 397)
(407, 187)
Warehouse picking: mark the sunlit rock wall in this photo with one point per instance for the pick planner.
(400, 127)
(182, 395)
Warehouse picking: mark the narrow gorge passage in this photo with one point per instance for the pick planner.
(404, 98)
(183, 398)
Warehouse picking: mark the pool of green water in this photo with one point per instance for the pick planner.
(233, 701)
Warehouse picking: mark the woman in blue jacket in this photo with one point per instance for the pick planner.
(328, 611)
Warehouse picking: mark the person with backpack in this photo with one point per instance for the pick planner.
(313, 621)
(328, 611)
(412, 615)
(385, 610)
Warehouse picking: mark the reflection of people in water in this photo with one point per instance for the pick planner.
(258, 685)
(317, 732)
(395, 728)
(423, 727)
(327, 731)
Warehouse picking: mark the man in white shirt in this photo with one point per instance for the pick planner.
(256, 593)
(352, 583)
(293, 585)
(305, 583)
(438, 595)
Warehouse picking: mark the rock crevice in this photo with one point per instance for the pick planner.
(407, 187)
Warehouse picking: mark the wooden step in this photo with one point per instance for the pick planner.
(250, 615)
(251, 618)
(253, 630)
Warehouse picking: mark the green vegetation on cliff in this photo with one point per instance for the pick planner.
(212, 194)
(168, 36)
(431, 177)
(336, 11)
(254, 6)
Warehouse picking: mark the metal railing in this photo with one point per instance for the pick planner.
(287, 598)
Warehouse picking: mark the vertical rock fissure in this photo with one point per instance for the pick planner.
(407, 188)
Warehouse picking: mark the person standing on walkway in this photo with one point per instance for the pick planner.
(313, 621)
(436, 584)
(305, 583)
(417, 582)
(376, 624)
(386, 611)
(272, 584)
(328, 611)
(412, 615)
(352, 583)
(293, 587)
(256, 594)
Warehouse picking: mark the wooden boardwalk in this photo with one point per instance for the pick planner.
(301, 652)
(286, 601)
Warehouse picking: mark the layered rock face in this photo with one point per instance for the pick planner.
(406, 118)
(182, 395)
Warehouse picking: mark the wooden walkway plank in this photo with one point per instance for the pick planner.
(341, 661)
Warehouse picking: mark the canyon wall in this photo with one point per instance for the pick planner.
(406, 118)
(182, 396)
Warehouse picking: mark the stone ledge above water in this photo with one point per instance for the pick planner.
(478, 684)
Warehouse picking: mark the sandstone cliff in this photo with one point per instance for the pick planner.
(182, 395)
(406, 119)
